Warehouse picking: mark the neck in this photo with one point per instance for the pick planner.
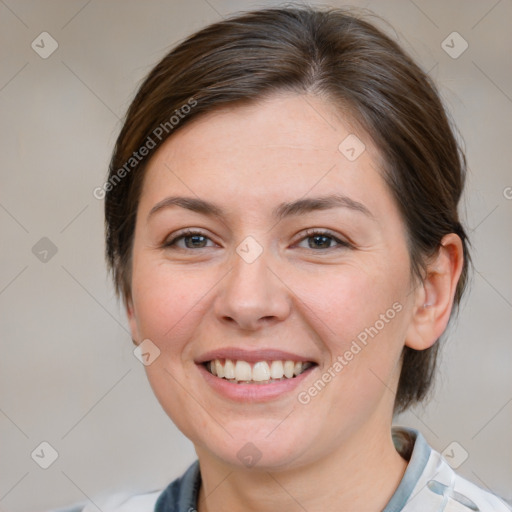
(362, 474)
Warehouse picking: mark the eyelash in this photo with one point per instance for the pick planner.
(310, 233)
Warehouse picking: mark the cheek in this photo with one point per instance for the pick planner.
(361, 318)
(167, 302)
(345, 301)
(169, 306)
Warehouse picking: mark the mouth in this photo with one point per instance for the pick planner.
(239, 371)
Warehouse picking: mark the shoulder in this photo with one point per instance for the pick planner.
(436, 486)
(443, 487)
(182, 494)
(77, 507)
(120, 502)
(484, 500)
(179, 496)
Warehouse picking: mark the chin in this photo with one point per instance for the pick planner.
(264, 450)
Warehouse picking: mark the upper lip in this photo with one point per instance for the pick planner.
(251, 356)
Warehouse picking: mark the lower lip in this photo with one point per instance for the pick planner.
(253, 392)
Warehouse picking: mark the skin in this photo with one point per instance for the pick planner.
(336, 452)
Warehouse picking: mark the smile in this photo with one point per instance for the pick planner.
(260, 372)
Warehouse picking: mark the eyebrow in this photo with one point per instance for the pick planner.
(298, 207)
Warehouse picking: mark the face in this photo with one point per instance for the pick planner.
(260, 240)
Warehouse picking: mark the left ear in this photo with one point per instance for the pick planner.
(132, 320)
(435, 294)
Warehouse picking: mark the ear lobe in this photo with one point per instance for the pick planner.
(435, 294)
(132, 320)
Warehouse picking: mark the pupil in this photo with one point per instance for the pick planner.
(195, 241)
(321, 241)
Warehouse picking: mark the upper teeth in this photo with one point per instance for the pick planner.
(259, 372)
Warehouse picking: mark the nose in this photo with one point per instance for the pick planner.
(252, 295)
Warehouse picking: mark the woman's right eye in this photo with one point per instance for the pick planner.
(190, 239)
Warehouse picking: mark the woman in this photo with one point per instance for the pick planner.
(281, 219)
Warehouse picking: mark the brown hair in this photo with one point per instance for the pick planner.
(326, 52)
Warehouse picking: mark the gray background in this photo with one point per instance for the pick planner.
(67, 372)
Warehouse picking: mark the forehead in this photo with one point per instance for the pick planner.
(285, 146)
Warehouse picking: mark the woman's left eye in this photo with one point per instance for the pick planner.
(322, 240)
(191, 240)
